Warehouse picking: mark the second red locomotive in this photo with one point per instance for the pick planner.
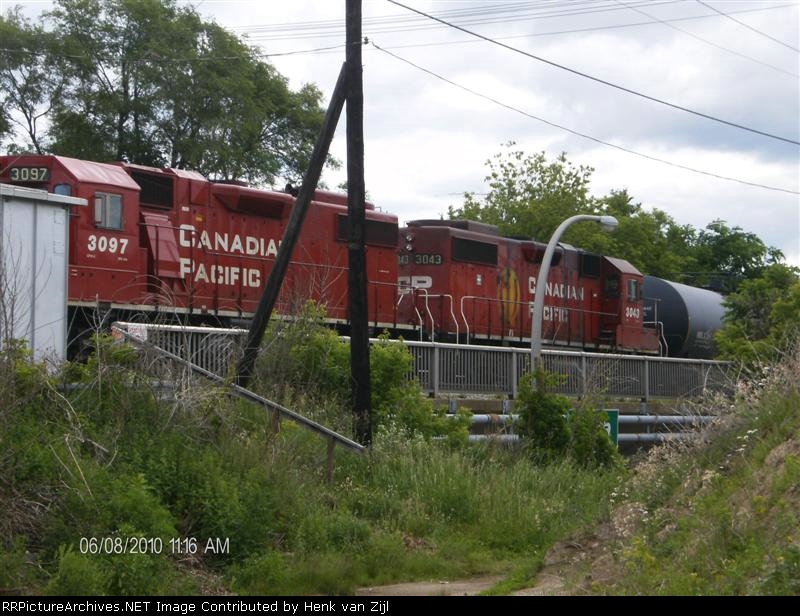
(466, 282)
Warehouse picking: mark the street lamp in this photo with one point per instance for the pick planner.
(607, 223)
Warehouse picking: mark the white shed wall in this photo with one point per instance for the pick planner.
(34, 237)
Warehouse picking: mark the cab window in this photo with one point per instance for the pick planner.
(633, 290)
(108, 211)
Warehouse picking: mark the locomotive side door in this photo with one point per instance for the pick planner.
(612, 305)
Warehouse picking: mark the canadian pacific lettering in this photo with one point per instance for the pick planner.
(557, 289)
(232, 244)
(252, 246)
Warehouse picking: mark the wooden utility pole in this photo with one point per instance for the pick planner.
(357, 274)
(282, 259)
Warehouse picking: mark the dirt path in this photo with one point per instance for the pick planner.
(430, 589)
(585, 564)
(582, 565)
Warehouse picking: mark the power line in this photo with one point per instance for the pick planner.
(741, 23)
(597, 79)
(518, 9)
(392, 24)
(581, 30)
(706, 41)
(580, 134)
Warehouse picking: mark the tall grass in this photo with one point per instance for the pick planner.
(113, 458)
(723, 515)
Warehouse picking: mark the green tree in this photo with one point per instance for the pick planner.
(649, 239)
(29, 85)
(731, 252)
(528, 195)
(763, 316)
(150, 82)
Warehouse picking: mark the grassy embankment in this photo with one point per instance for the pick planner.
(722, 516)
(114, 460)
(717, 516)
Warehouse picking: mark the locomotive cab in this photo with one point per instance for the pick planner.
(104, 259)
(622, 318)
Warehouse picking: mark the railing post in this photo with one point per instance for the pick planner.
(583, 375)
(646, 380)
(514, 375)
(435, 370)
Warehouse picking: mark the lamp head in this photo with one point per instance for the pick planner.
(608, 223)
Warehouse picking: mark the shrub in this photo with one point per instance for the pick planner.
(318, 365)
(78, 575)
(543, 416)
(556, 431)
(589, 442)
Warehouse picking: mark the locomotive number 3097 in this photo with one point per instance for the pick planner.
(29, 174)
(107, 244)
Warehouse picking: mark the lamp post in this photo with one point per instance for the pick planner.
(608, 223)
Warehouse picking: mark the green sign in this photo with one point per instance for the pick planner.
(612, 424)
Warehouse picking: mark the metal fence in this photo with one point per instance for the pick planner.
(186, 346)
(470, 369)
(480, 370)
(211, 348)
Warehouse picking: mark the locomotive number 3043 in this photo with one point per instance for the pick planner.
(107, 244)
(632, 312)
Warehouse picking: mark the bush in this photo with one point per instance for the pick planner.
(78, 575)
(590, 445)
(555, 430)
(318, 365)
(543, 416)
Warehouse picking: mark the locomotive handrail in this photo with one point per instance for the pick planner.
(427, 307)
(428, 310)
(522, 303)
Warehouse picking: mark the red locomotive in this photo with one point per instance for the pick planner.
(466, 282)
(170, 241)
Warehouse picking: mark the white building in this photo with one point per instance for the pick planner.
(34, 252)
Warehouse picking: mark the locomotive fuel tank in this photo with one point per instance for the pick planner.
(689, 316)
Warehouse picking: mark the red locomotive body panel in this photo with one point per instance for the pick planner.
(168, 239)
(462, 280)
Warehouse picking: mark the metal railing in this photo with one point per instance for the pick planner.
(212, 348)
(481, 370)
(465, 369)
(188, 345)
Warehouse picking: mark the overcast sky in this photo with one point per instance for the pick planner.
(427, 141)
